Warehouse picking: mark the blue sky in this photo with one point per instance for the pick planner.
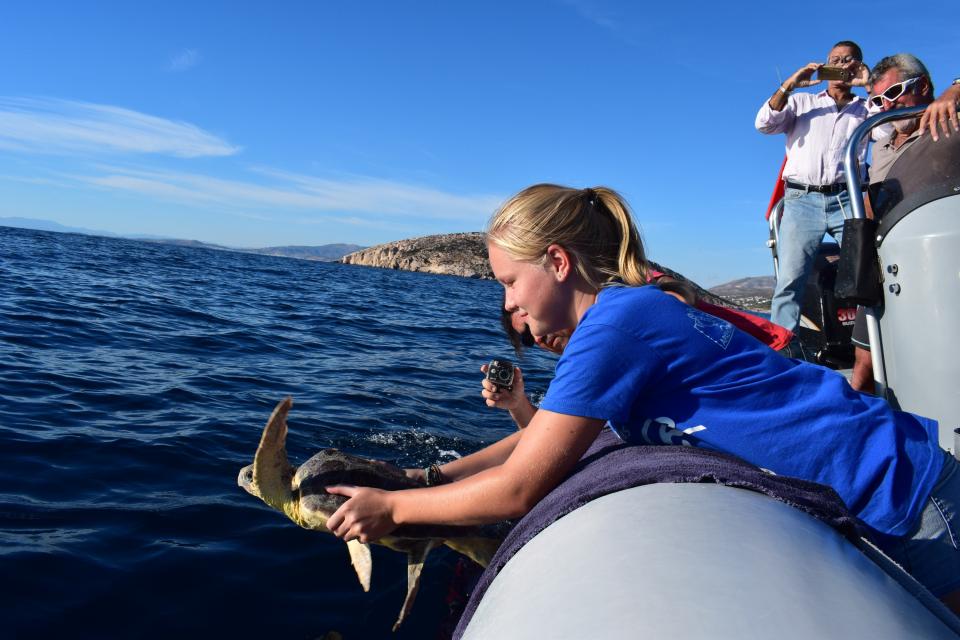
(253, 124)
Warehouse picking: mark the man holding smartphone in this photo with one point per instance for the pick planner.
(817, 126)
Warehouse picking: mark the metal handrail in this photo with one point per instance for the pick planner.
(773, 243)
(851, 167)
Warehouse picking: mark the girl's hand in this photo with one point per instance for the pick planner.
(366, 516)
(502, 398)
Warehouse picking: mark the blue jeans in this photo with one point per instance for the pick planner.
(931, 551)
(806, 218)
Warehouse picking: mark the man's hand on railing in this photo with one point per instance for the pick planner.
(942, 113)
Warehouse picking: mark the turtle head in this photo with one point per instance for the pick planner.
(245, 481)
(269, 477)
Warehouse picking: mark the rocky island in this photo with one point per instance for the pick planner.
(455, 254)
(465, 255)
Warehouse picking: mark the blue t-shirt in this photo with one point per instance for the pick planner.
(662, 372)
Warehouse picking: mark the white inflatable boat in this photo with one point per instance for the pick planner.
(689, 561)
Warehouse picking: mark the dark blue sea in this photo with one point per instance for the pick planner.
(135, 379)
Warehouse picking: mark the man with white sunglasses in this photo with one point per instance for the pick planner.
(896, 82)
(817, 127)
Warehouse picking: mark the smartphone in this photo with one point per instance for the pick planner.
(834, 73)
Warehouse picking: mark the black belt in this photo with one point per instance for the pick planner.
(826, 188)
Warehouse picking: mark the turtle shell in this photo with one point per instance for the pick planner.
(332, 467)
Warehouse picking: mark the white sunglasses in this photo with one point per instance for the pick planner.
(893, 92)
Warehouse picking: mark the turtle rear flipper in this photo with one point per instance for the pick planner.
(479, 549)
(362, 561)
(315, 510)
(416, 556)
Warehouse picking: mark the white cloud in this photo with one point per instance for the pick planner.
(37, 180)
(595, 12)
(97, 135)
(360, 193)
(354, 199)
(355, 221)
(52, 126)
(186, 59)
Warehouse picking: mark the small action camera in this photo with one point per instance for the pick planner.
(500, 373)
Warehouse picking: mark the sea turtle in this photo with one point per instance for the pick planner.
(300, 494)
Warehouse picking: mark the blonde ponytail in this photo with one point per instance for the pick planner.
(594, 225)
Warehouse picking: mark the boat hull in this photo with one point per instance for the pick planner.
(686, 561)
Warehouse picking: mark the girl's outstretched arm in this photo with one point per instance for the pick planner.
(491, 456)
(548, 449)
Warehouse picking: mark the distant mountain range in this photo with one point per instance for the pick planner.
(49, 225)
(325, 252)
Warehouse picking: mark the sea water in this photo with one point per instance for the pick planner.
(135, 380)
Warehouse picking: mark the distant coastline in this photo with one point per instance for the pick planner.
(465, 255)
(752, 293)
(323, 253)
(456, 254)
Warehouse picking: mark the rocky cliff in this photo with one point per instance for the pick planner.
(455, 254)
(462, 254)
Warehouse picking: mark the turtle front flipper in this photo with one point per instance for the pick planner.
(362, 561)
(416, 556)
(272, 471)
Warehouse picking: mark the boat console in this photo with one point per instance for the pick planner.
(913, 330)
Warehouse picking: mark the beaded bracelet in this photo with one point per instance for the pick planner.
(434, 476)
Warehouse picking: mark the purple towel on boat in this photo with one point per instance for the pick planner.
(610, 465)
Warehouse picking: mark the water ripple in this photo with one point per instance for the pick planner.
(136, 380)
